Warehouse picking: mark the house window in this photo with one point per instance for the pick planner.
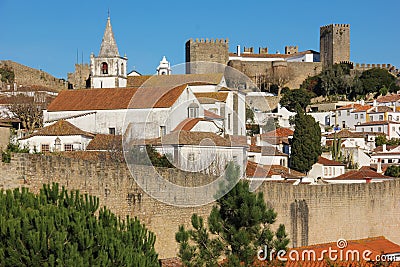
(111, 131)
(371, 118)
(235, 159)
(343, 124)
(381, 117)
(348, 112)
(361, 116)
(45, 148)
(193, 110)
(283, 162)
(390, 117)
(325, 171)
(163, 130)
(390, 161)
(393, 129)
(356, 116)
(372, 130)
(122, 68)
(104, 68)
(68, 147)
(339, 114)
(379, 129)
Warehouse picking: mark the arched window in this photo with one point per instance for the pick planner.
(193, 110)
(104, 68)
(122, 69)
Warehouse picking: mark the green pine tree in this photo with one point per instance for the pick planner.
(239, 225)
(59, 228)
(306, 142)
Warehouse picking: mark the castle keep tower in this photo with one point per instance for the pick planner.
(334, 44)
(208, 50)
(108, 69)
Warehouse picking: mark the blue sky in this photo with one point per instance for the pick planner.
(47, 34)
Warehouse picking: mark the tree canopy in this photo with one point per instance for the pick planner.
(239, 225)
(340, 80)
(292, 98)
(57, 228)
(306, 142)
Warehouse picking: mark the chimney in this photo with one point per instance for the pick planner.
(362, 102)
(384, 148)
(374, 103)
(379, 166)
(238, 50)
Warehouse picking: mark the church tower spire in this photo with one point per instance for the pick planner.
(108, 46)
(108, 69)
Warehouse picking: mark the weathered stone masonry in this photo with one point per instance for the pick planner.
(311, 214)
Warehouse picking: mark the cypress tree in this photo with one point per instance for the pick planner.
(306, 142)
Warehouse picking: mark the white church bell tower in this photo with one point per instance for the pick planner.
(108, 69)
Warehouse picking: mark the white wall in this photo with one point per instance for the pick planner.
(79, 142)
(325, 172)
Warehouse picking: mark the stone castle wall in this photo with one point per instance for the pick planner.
(206, 50)
(334, 44)
(26, 76)
(79, 78)
(311, 214)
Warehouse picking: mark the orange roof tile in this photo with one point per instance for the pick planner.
(362, 174)
(211, 97)
(92, 99)
(279, 132)
(105, 142)
(192, 138)
(381, 109)
(356, 107)
(388, 98)
(254, 170)
(211, 115)
(60, 128)
(328, 162)
(156, 97)
(187, 124)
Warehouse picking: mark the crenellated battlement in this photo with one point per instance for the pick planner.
(329, 26)
(210, 41)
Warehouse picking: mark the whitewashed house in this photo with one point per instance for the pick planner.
(57, 137)
(137, 113)
(387, 155)
(326, 169)
(350, 115)
(200, 151)
(389, 128)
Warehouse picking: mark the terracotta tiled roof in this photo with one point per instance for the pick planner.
(362, 174)
(192, 138)
(187, 124)
(381, 109)
(377, 123)
(240, 140)
(388, 98)
(105, 142)
(279, 132)
(211, 97)
(255, 149)
(348, 134)
(254, 170)
(380, 148)
(211, 115)
(376, 246)
(115, 98)
(60, 128)
(156, 97)
(328, 162)
(284, 172)
(356, 107)
(92, 99)
(174, 80)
